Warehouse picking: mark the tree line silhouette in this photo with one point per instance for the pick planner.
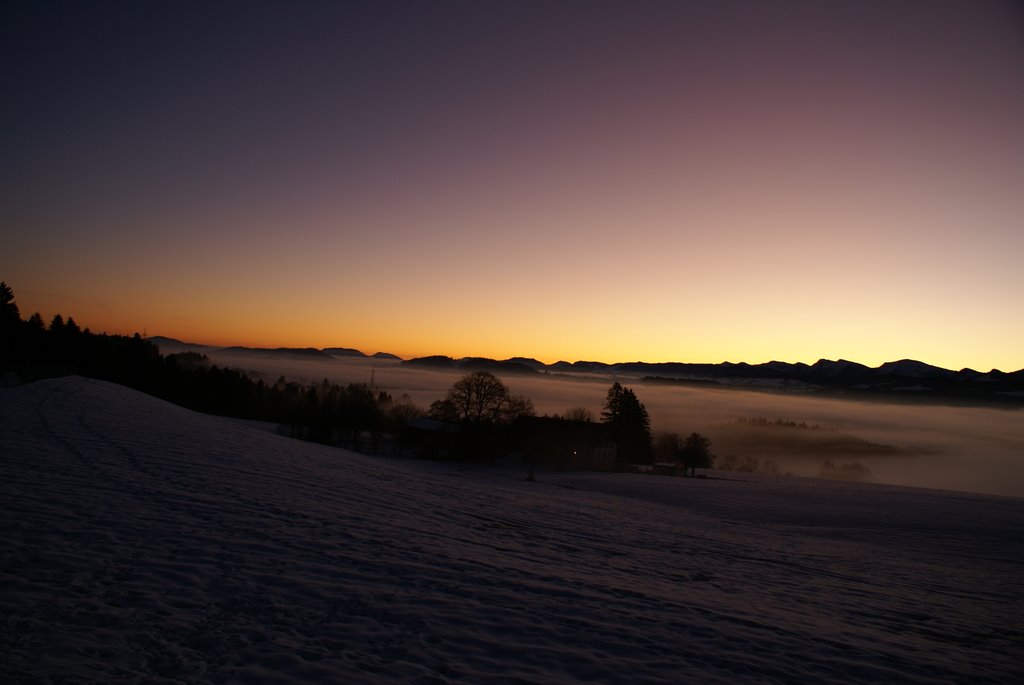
(479, 418)
(31, 350)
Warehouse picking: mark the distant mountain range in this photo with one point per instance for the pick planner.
(905, 378)
(172, 344)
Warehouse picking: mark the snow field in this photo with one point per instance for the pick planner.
(143, 543)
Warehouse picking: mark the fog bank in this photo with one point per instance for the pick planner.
(974, 449)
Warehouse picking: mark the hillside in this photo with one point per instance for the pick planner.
(146, 543)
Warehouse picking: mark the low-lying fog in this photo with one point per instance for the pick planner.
(949, 447)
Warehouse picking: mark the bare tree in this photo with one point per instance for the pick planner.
(667, 447)
(578, 414)
(481, 398)
(696, 453)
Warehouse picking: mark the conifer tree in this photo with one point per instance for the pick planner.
(630, 425)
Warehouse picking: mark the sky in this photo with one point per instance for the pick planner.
(617, 181)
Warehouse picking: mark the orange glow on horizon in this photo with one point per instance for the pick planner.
(706, 185)
(845, 339)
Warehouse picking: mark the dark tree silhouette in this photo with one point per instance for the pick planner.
(10, 329)
(630, 425)
(578, 414)
(358, 410)
(481, 398)
(667, 448)
(696, 453)
(484, 409)
(8, 309)
(398, 413)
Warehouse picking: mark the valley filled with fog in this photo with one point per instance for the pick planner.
(969, 448)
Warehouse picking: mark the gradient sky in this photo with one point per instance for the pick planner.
(686, 181)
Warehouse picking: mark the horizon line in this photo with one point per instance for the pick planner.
(577, 361)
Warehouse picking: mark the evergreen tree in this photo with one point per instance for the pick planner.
(9, 314)
(630, 425)
(10, 329)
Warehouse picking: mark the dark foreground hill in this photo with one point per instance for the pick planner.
(142, 542)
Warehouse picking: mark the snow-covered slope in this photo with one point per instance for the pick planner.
(140, 542)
